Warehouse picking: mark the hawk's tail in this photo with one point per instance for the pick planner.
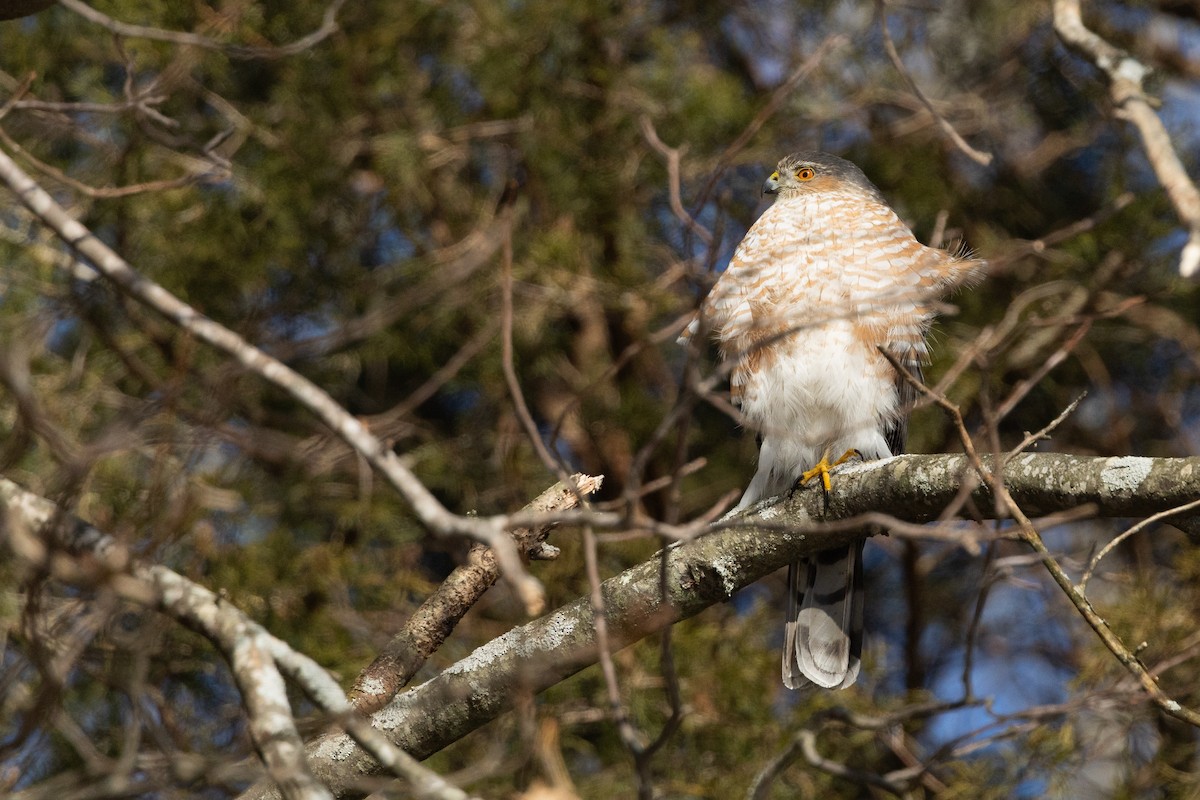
(823, 634)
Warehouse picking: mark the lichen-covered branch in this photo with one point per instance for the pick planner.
(430, 624)
(918, 488)
(712, 568)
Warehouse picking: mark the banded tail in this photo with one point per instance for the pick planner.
(823, 633)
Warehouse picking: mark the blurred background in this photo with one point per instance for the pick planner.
(344, 202)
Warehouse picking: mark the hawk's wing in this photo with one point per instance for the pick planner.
(896, 432)
(756, 282)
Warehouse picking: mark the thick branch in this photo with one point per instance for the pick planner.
(430, 624)
(918, 488)
(711, 569)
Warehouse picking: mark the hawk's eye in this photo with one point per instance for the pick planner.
(806, 174)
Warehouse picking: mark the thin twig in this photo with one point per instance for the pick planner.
(804, 743)
(439, 378)
(1142, 525)
(978, 156)
(18, 92)
(1040, 246)
(1044, 433)
(328, 27)
(1049, 363)
(985, 588)
(631, 737)
(672, 156)
(214, 173)
(508, 365)
(770, 109)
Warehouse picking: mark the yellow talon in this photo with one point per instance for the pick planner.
(823, 466)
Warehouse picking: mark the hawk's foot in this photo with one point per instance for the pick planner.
(823, 467)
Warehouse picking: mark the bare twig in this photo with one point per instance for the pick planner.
(1040, 246)
(631, 737)
(1125, 75)
(439, 378)
(944, 403)
(17, 93)
(778, 97)
(212, 172)
(978, 156)
(549, 460)
(804, 744)
(328, 27)
(1142, 525)
(674, 191)
(1026, 385)
(1044, 433)
(989, 579)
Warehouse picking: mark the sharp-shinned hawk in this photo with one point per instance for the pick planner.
(826, 278)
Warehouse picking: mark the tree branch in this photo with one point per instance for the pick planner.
(39, 533)
(1125, 74)
(710, 569)
(430, 624)
(978, 156)
(106, 261)
(328, 27)
(674, 585)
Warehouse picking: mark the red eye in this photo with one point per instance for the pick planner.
(806, 174)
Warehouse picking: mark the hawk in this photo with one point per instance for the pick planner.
(824, 280)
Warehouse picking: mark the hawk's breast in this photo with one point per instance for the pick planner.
(818, 285)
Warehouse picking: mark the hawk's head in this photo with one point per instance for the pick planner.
(814, 172)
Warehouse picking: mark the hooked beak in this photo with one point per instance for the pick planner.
(771, 184)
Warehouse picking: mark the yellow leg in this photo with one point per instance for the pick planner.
(823, 466)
